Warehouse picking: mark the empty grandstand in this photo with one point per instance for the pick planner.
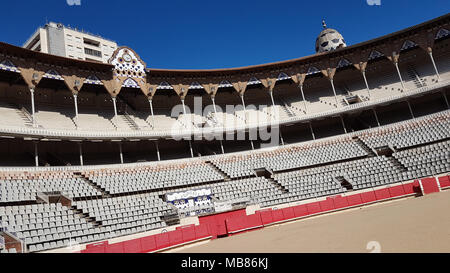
(93, 152)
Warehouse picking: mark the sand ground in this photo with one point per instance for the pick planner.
(407, 225)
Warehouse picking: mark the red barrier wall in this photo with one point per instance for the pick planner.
(327, 205)
(288, 213)
(266, 216)
(277, 215)
(411, 188)
(382, 194)
(244, 222)
(96, 248)
(114, 248)
(313, 208)
(175, 237)
(254, 221)
(354, 200)
(300, 210)
(235, 224)
(132, 246)
(148, 244)
(162, 240)
(396, 191)
(217, 224)
(444, 181)
(188, 233)
(429, 185)
(201, 231)
(368, 197)
(237, 221)
(340, 202)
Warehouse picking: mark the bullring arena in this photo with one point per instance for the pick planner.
(346, 150)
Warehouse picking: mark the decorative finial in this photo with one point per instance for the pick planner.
(324, 24)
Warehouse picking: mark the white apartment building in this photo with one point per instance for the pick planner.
(60, 40)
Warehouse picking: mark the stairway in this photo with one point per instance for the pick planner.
(86, 179)
(23, 113)
(277, 184)
(412, 74)
(130, 121)
(398, 164)
(344, 183)
(285, 106)
(225, 176)
(288, 110)
(364, 146)
(86, 216)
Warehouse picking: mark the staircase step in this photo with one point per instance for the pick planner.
(366, 148)
(92, 183)
(225, 176)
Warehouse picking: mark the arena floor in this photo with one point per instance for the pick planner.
(408, 225)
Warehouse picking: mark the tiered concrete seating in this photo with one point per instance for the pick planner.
(19, 187)
(93, 120)
(165, 176)
(126, 215)
(47, 226)
(115, 202)
(410, 133)
(11, 116)
(426, 160)
(290, 158)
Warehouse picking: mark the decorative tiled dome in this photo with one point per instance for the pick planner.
(329, 39)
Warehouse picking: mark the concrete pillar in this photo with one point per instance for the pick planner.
(245, 110)
(343, 124)
(214, 105)
(75, 101)
(273, 106)
(281, 138)
(445, 98)
(115, 106)
(184, 106)
(312, 131)
(303, 97)
(121, 153)
(190, 148)
(399, 75)
(365, 80)
(36, 154)
(434, 65)
(151, 110)
(376, 116)
(221, 147)
(32, 107)
(410, 109)
(271, 98)
(334, 92)
(80, 148)
(157, 150)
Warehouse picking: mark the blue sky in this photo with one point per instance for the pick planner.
(203, 34)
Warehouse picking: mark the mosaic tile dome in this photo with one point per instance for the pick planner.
(329, 39)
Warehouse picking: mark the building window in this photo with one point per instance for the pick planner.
(91, 42)
(93, 52)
